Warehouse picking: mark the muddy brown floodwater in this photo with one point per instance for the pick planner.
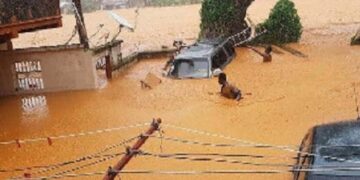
(288, 97)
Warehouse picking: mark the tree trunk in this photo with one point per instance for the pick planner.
(219, 21)
(80, 23)
(241, 7)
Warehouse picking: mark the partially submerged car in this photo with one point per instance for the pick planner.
(330, 152)
(201, 59)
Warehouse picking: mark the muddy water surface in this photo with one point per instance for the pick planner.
(288, 96)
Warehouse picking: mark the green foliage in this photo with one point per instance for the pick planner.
(216, 16)
(283, 25)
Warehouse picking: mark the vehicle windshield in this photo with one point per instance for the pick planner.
(340, 141)
(186, 68)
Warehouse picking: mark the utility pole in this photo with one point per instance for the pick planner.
(113, 172)
(80, 23)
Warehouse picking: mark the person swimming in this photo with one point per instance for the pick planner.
(228, 90)
(267, 57)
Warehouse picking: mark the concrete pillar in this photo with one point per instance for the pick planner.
(108, 67)
(7, 45)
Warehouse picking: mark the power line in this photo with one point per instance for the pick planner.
(227, 155)
(72, 135)
(285, 148)
(195, 142)
(197, 172)
(87, 165)
(188, 156)
(218, 160)
(80, 159)
(53, 165)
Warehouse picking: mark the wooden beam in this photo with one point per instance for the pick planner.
(132, 152)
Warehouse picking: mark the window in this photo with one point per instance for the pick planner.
(219, 59)
(28, 76)
(229, 48)
(101, 63)
(191, 68)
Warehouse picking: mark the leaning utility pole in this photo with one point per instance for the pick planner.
(80, 23)
(113, 172)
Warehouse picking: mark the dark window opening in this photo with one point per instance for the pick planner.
(230, 48)
(189, 68)
(219, 59)
(101, 63)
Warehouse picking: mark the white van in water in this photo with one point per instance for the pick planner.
(201, 59)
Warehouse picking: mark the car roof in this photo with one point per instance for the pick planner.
(336, 140)
(200, 50)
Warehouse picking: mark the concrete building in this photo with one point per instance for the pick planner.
(51, 69)
(47, 69)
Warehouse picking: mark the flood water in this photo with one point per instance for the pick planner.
(288, 97)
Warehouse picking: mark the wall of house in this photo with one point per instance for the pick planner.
(61, 69)
(3, 46)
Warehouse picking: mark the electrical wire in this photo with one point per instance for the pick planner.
(285, 148)
(80, 159)
(232, 155)
(73, 135)
(195, 142)
(218, 160)
(197, 172)
(53, 165)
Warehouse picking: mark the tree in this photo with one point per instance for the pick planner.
(282, 26)
(356, 39)
(223, 17)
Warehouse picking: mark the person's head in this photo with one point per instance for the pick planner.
(268, 50)
(222, 78)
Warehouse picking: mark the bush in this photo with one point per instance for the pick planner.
(283, 25)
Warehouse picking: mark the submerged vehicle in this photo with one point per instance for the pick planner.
(330, 152)
(201, 59)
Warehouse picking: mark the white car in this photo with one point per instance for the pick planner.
(204, 59)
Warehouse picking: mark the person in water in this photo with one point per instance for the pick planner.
(267, 57)
(228, 90)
